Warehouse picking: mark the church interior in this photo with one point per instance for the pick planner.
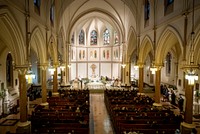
(99, 66)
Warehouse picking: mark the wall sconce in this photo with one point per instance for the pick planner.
(62, 67)
(69, 66)
(123, 65)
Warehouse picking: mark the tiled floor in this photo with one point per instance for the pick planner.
(99, 119)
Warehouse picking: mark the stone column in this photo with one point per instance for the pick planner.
(68, 59)
(44, 86)
(127, 74)
(24, 124)
(123, 68)
(187, 125)
(62, 72)
(55, 81)
(141, 78)
(157, 88)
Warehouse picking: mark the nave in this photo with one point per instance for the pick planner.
(99, 119)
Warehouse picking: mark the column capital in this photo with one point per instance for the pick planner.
(22, 69)
(56, 64)
(187, 125)
(159, 66)
(43, 66)
(140, 64)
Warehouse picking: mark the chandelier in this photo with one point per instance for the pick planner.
(191, 68)
(153, 68)
(30, 76)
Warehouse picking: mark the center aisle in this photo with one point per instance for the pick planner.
(99, 119)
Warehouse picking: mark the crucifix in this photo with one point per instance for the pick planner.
(93, 67)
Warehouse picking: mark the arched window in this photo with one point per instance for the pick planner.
(9, 71)
(37, 6)
(93, 38)
(147, 10)
(81, 37)
(168, 63)
(106, 37)
(52, 12)
(168, 6)
(72, 39)
(116, 38)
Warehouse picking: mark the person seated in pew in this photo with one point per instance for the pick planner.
(70, 108)
(154, 124)
(78, 110)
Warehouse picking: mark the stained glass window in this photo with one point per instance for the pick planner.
(52, 12)
(93, 38)
(168, 63)
(37, 6)
(106, 37)
(147, 10)
(116, 37)
(81, 37)
(168, 6)
(9, 70)
(72, 39)
(168, 2)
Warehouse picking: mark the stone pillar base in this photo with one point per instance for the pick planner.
(24, 127)
(55, 94)
(140, 94)
(45, 104)
(157, 104)
(186, 128)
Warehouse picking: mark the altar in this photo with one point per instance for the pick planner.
(96, 85)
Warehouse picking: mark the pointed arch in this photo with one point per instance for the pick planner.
(132, 43)
(12, 36)
(96, 10)
(52, 49)
(61, 44)
(197, 48)
(170, 39)
(38, 44)
(145, 47)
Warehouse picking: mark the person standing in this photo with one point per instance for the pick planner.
(173, 98)
(180, 103)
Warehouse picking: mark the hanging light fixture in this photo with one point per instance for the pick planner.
(51, 68)
(191, 68)
(153, 68)
(136, 66)
(61, 64)
(123, 65)
(30, 76)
